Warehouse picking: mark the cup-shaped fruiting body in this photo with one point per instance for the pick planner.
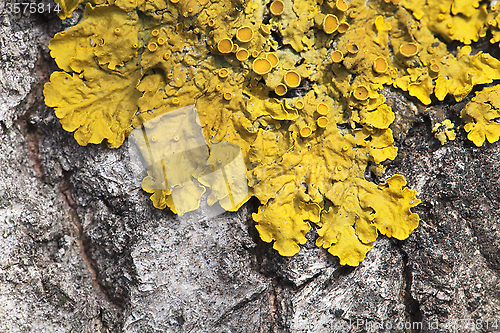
(244, 34)
(435, 67)
(223, 73)
(242, 54)
(255, 53)
(166, 56)
(161, 41)
(322, 122)
(273, 59)
(117, 31)
(225, 45)
(218, 87)
(175, 101)
(305, 131)
(299, 104)
(277, 7)
(330, 23)
(155, 33)
(227, 96)
(262, 66)
(361, 93)
(337, 56)
(280, 89)
(341, 5)
(322, 109)
(152, 47)
(343, 27)
(292, 79)
(380, 65)
(265, 29)
(211, 23)
(352, 48)
(408, 49)
(235, 48)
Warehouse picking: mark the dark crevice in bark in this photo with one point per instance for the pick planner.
(412, 306)
(29, 129)
(86, 243)
(241, 304)
(279, 310)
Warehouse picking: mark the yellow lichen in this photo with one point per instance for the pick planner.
(352, 48)
(330, 23)
(66, 7)
(277, 7)
(444, 131)
(322, 122)
(225, 45)
(337, 56)
(341, 5)
(244, 34)
(408, 49)
(292, 79)
(305, 131)
(304, 118)
(361, 93)
(481, 116)
(262, 66)
(273, 59)
(323, 109)
(343, 27)
(242, 54)
(280, 90)
(380, 65)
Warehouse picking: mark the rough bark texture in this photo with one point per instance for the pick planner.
(83, 250)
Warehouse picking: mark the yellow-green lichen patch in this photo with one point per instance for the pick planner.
(481, 116)
(287, 91)
(109, 33)
(349, 228)
(451, 19)
(283, 220)
(95, 105)
(66, 7)
(444, 131)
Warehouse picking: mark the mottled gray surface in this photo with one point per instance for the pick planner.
(83, 250)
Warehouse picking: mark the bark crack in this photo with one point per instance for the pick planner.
(85, 242)
(412, 305)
